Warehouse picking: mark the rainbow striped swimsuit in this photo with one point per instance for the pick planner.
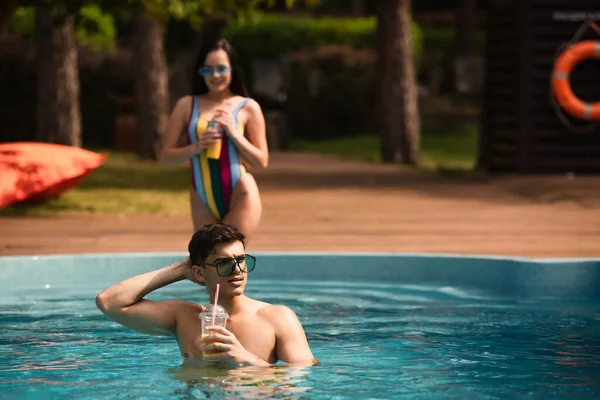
(215, 179)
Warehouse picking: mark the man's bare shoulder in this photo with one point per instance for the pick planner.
(277, 314)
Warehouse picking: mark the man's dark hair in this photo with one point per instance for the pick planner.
(208, 237)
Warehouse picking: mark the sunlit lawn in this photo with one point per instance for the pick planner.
(441, 151)
(124, 184)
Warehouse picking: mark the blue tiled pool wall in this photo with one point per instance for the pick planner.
(518, 277)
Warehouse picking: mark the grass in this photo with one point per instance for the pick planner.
(124, 184)
(440, 151)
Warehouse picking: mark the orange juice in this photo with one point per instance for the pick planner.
(207, 343)
(208, 318)
(215, 151)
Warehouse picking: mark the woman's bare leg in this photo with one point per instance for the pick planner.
(246, 209)
(200, 214)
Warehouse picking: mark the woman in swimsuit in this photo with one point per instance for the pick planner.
(225, 134)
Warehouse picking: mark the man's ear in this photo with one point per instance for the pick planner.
(198, 273)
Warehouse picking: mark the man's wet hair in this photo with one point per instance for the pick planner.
(207, 238)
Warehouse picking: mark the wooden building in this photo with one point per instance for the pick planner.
(522, 129)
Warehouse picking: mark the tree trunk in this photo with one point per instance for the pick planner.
(399, 111)
(151, 84)
(465, 60)
(210, 32)
(6, 12)
(357, 8)
(58, 115)
(212, 25)
(466, 27)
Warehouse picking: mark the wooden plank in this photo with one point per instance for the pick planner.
(503, 67)
(588, 90)
(498, 140)
(574, 164)
(503, 164)
(505, 22)
(560, 151)
(559, 32)
(585, 4)
(504, 34)
(520, 119)
(502, 77)
(505, 159)
(505, 150)
(504, 115)
(503, 87)
(501, 6)
(525, 34)
(504, 90)
(504, 135)
(545, 62)
(504, 107)
(560, 134)
(546, 45)
(541, 93)
(504, 122)
(501, 63)
(553, 128)
(504, 49)
(584, 84)
(483, 154)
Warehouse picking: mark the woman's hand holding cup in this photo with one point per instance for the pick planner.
(211, 139)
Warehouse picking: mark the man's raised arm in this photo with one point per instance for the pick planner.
(125, 303)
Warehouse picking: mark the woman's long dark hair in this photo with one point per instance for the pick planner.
(237, 85)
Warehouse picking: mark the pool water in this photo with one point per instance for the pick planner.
(374, 340)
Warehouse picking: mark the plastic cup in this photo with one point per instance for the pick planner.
(215, 151)
(206, 320)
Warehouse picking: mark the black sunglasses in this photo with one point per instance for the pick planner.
(226, 266)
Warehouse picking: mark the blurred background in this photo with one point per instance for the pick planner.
(446, 85)
(111, 71)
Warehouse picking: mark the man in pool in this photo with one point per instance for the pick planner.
(257, 333)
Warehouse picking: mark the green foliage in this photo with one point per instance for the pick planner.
(23, 22)
(94, 28)
(193, 10)
(331, 92)
(339, 52)
(271, 37)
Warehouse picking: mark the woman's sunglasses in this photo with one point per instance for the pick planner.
(226, 266)
(210, 71)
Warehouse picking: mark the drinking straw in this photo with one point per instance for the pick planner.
(214, 314)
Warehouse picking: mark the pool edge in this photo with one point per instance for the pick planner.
(549, 260)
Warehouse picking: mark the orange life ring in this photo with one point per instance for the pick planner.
(560, 80)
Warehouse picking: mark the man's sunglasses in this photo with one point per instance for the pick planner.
(226, 266)
(210, 71)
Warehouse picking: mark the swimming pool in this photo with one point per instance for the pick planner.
(383, 326)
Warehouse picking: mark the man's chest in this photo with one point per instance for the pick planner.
(254, 334)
